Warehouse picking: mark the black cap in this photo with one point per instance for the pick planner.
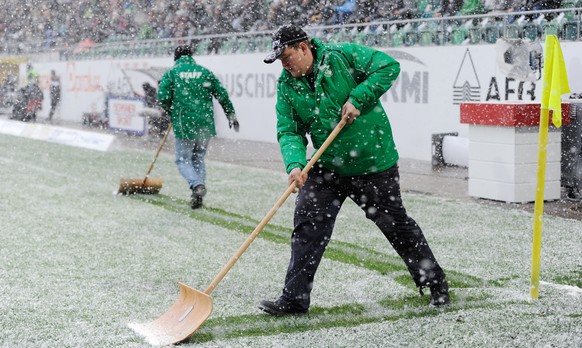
(180, 51)
(285, 36)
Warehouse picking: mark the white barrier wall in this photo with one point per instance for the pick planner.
(60, 135)
(424, 100)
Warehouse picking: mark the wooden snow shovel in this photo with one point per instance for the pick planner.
(193, 307)
(146, 185)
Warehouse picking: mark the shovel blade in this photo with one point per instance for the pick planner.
(183, 318)
(138, 186)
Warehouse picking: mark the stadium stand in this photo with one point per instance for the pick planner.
(90, 29)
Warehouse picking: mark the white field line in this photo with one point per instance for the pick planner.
(569, 289)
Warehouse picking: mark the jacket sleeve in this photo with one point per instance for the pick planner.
(221, 94)
(166, 92)
(375, 71)
(291, 134)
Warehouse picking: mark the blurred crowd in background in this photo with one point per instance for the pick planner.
(62, 23)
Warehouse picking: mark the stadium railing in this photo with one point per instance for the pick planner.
(459, 30)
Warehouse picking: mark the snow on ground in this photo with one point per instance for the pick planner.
(78, 263)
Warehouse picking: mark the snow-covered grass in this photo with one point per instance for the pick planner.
(79, 263)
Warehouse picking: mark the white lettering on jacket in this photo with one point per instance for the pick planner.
(190, 75)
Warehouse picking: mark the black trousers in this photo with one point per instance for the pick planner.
(316, 208)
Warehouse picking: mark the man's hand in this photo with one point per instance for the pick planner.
(234, 123)
(298, 177)
(349, 112)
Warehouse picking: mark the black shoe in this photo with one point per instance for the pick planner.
(280, 307)
(197, 193)
(439, 294)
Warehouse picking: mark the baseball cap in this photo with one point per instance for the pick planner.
(285, 36)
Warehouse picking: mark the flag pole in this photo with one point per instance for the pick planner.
(554, 84)
(539, 204)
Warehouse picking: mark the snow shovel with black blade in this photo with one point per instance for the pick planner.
(193, 306)
(147, 185)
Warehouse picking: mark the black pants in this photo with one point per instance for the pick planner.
(316, 209)
(54, 103)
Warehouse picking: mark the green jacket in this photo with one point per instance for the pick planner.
(185, 92)
(342, 72)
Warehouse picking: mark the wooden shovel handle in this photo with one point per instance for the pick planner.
(157, 153)
(273, 210)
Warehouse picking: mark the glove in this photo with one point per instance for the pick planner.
(234, 123)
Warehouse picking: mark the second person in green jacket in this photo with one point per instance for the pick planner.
(186, 92)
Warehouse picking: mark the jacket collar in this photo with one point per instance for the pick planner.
(320, 49)
(185, 59)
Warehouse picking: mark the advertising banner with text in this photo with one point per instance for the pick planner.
(423, 101)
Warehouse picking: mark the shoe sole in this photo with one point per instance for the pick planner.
(443, 305)
(275, 313)
(269, 311)
(439, 304)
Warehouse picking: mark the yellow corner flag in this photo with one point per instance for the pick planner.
(555, 83)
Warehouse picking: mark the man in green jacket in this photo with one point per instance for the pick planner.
(321, 84)
(185, 92)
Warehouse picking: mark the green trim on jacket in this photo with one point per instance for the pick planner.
(343, 72)
(185, 92)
